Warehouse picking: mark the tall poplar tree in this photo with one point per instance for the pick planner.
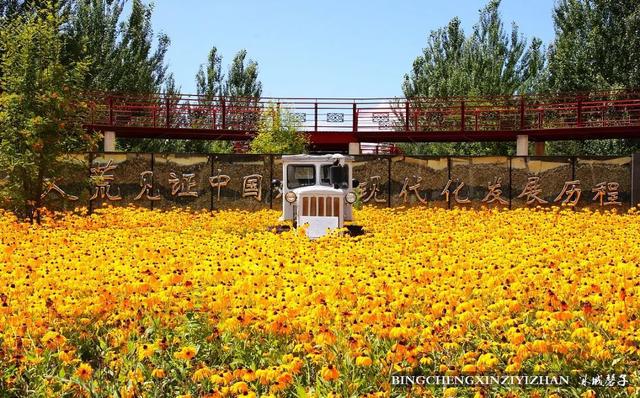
(597, 45)
(490, 61)
(242, 79)
(123, 49)
(596, 48)
(209, 80)
(242, 90)
(209, 87)
(126, 58)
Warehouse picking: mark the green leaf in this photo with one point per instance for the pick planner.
(300, 391)
(103, 344)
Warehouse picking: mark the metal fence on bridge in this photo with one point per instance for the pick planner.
(391, 119)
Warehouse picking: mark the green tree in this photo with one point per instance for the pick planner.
(93, 31)
(172, 98)
(596, 48)
(278, 132)
(40, 109)
(209, 81)
(138, 67)
(242, 79)
(12, 9)
(172, 93)
(209, 86)
(8, 8)
(439, 71)
(124, 56)
(489, 61)
(242, 90)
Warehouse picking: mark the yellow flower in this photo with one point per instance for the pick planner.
(136, 376)
(544, 287)
(487, 362)
(426, 361)
(469, 369)
(84, 371)
(145, 351)
(363, 361)
(128, 391)
(239, 387)
(201, 374)
(158, 373)
(512, 368)
(186, 353)
(450, 392)
(53, 340)
(66, 356)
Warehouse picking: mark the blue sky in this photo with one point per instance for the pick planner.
(324, 48)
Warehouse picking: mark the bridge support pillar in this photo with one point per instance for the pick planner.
(354, 148)
(635, 180)
(522, 145)
(540, 148)
(109, 141)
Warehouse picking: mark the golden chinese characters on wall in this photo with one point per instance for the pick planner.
(606, 192)
(131, 178)
(182, 184)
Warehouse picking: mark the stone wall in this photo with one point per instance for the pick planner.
(230, 181)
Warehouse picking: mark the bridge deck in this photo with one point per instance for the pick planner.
(335, 122)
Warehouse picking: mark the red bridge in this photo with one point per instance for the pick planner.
(335, 123)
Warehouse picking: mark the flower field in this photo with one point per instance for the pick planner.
(134, 303)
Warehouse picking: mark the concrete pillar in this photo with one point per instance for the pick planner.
(522, 145)
(540, 148)
(635, 179)
(354, 148)
(109, 141)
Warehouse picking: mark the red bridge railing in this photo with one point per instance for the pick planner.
(370, 115)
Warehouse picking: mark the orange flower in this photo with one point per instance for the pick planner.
(249, 376)
(329, 373)
(295, 366)
(285, 379)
